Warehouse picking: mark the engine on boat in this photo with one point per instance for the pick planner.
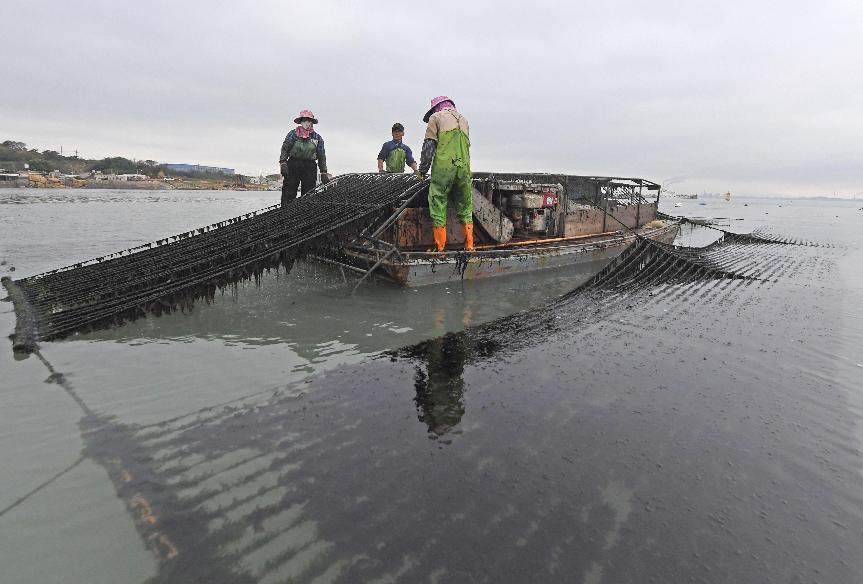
(533, 208)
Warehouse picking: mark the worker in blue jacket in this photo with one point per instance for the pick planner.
(395, 153)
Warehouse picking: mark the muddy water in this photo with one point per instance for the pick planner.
(301, 433)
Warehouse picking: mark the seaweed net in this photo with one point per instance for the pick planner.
(730, 257)
(647, 272)
(172, 273)
(759, 235)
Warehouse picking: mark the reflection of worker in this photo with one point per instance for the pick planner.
(440, 389)
(447, 144)
(301, 148)
(394, 153)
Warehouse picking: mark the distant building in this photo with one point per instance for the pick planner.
(198, 168)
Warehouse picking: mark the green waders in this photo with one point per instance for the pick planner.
(451, 173)
(396, 160)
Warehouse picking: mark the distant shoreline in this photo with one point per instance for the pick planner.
(137, 185)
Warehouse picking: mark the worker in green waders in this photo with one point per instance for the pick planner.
(446, 149)
(395, 154)
(302, 151)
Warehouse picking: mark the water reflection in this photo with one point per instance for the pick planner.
(440, 362)
(439, 369)
(438, 381)
(440, 385)
(314, 312)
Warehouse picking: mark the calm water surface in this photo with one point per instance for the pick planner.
(301, 433)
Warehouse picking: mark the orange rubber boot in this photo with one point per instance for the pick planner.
(439, 237)
(468, 237)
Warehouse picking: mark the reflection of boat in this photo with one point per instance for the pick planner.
(335, 323)
(523, 222)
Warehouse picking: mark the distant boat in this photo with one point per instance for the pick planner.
(678, 204)
(728, 196)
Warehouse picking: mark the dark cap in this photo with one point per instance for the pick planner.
(397, 127)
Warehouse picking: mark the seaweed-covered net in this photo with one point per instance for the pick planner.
(171, 273)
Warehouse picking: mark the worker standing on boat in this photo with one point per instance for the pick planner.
(302, 148)
(395, 153)
(447, 145)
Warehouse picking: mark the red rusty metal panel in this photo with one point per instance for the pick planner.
(587, 221)
(414, 229)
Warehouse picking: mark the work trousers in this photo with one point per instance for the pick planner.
(300, 172)
(446, 180)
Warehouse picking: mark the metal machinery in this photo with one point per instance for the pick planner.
(557, 205)
(535, 209)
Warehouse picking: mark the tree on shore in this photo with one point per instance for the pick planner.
(16, 146)
(40, 166)
(116, 165)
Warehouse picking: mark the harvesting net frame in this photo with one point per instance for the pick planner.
(172, 273)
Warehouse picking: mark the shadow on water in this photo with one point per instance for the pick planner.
(615, 435)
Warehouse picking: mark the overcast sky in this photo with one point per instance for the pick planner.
(754, 97)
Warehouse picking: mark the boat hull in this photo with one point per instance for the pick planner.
(586, 256)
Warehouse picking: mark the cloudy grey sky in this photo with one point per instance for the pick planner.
(755, 97)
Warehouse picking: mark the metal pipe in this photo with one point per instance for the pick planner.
(374, 267)
(324, 260)
(542, 241)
